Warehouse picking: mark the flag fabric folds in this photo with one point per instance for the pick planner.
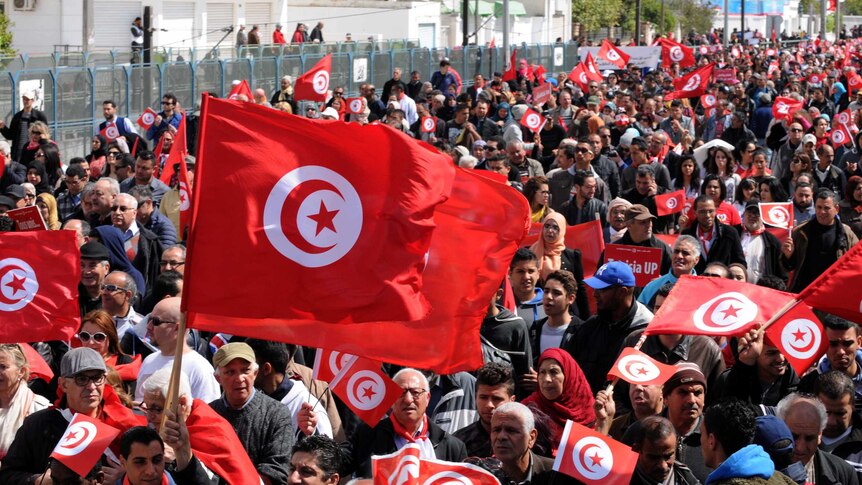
(594, 458)
(313, 85)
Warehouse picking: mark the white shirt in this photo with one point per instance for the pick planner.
(551, 337)
(124, 324)
(299, 394)
(195, 367)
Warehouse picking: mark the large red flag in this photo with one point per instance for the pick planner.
(670, 203)
(512, 72)
(365, 389)
(589, 239)
(481, 214)
(179, 150)
(83, 443)
(579, 76)
(636, 367)
(39, 275)
(328, 363)
(799, 335)
(777, 214)
(836, 290)
(215, 443)
(314, 84)
(594, 458)
(692, 84)
(672, 51)
(240, 89)
(613, 54)
(315, 225)
(785, 108)
(592, 69)
(699, 305)
(407, 467)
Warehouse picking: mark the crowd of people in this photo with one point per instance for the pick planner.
(250, 411)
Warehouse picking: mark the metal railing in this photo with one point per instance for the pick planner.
(77, 83)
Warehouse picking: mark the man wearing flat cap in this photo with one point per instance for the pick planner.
(85, 390)
(639, 232)
(685, 396)
(94, 269)
(263, 424)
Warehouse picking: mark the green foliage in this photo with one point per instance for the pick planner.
(650, 12)
(695, 16)
(6, 36)
(596, 14)
(852, 7)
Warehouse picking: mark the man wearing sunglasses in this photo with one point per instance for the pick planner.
(843, 355)
(167, 120)
(82, 379)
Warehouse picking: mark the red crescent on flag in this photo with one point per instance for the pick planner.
(805, 348)
(4, 272)
(583, 452)
(290, 215)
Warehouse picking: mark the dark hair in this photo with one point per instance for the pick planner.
(582, 175)
(167, 284)
(495, 374)
(566, 278)
(664, 290)
(826, 194)
(145, 155)
(640, 142)
(732, 422)
(712, 166)
(326, 451)
(278, 354)
(109, 101)
(772, 281)
(695, 175)
(568, 150)
(802, 185)
(835, 385)
(126, 160)
(523, 254)
(852, 183)
(52, 162)
(779, 194)
(170, 97)
(746, 183)
(533, 185)
(676, 103)
(138, 434)
(652, 429)
(702, 198)
(76, 171)
(833, 322)
(721, 186)
(76, 161)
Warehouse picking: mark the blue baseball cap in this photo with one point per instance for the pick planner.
(613, 273)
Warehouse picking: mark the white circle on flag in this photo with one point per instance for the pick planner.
(583, 77)
(676, 53)
(112, 132)
(320, 82)
(593, 458)
(406, 471)
(779, 215)
(800, 338)
(365, 390)
(692, 83)
(726, 312)
(448, 477)
(356, 106)
(18, 284)
(815, 79)
(184, 197)
(709, 100)
(148, 118)
(637, 368)
(671, 203)
(704, 50)
(612, 55)
(428, 124)
(838, 137)
(843, 118)
(337, 361)
(76, 439)
(533, 121)
(324, 217)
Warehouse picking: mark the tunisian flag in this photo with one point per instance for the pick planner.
(699, 305)
(312, 223)
(692, 84)
(489, 217)
(785, 108)
(836, 291)
(672, 51)
(592, 69)
(314, 84)
(214, 442)
(512, 72)
(83, 443)
(579, 76)
(533, 120)
(799, 335)
(840, 136)
(179, 150)
(240, 89)
(613, 54)
(594, 458)
(670, 203)
(328, 363)
(147, 118)
(636, 367)
(185, 191)
(39, 275)
(407, 467)
(777, 214)
(365, 389)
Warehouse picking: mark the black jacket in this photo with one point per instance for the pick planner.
(147, 258)
(652, 242)
(536, 336)
(570, 260)
(380, 440)
(12, 131)
(726, 248)
(829, 470)
(741, 382)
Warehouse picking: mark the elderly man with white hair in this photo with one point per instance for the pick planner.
(513, 434)
(210, 439)
(142, 246)
(284, 94)
(806, 417)
(407, 423)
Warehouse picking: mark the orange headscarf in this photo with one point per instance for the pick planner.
(549, 252)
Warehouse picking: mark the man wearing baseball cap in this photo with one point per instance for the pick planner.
(19, 127)
(84, 390)
(263, 424)
(599, 340)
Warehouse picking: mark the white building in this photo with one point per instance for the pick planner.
(44, 26)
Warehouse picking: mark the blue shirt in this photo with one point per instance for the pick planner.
(653, 286)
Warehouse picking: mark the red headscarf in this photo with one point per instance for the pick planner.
(576, 401)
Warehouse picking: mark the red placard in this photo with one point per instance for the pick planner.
(645, 262)
(27, 219)
(542, 93)
(725, 75)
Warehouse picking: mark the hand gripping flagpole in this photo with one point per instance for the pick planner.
(172, 399)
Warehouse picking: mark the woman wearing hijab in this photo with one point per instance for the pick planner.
(97, 156)
(503, 116)
(553, 255)
(840, 97)
(563, 393)
(47, 205)
(38, 176)
(112, 238)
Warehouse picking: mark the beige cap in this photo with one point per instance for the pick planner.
(233, 350)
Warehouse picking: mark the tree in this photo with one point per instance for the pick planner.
(594, 15)
(6, 36)
(695, 16)
(650, 12)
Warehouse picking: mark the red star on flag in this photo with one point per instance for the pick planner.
(731, 310)
(368, 392)
(16, 284)
(324, 219)
(798, 335)
(596, 459)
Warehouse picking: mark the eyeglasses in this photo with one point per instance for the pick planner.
(87, 336)
(582, 150)
(39, 154)
(29, 196)
(112, 288)
(121, 208)
(490, 149)
(167, 103)
(416, 393)
(81, 380)
(796, 130)
(156, 321)
(175, 264)
(113, 154)
(338, 93)
(155, 410)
